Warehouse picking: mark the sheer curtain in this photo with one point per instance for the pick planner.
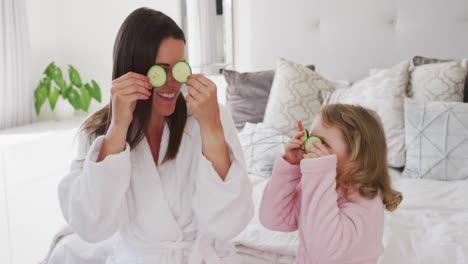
(16, 90)
(201, 40)
(209, 34)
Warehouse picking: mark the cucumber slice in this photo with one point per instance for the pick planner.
(157, 75)
(308, 143)
(181, 71)
(304, 137)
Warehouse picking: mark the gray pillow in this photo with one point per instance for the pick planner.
(420, 60)
(436, 135)
(247, 94)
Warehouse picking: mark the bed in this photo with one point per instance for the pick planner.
(431, 226)
(344, 40)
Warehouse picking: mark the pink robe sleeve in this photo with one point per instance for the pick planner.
(330, 229)
(279, 209)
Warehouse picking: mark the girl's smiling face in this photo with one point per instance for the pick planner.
(332, 139)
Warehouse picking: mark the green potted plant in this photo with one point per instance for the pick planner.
(53, 88)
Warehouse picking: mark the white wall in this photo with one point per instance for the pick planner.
(82, 33)
(267, 29)
(344, 39)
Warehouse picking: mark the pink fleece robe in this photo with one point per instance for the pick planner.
(332, 229)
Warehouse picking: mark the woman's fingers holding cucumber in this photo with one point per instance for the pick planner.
(130, 75)
(194, 93)
(125, 91)
(123, 106)
(130, 79)
(131, 82)
(201, 84)
(209, 84)
(135, 88)
(202, 99)
(137, 96)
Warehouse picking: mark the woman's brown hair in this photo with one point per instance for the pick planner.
(366, 170)
(135, 49)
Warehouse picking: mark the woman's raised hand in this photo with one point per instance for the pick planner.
(202, 100)
(125, 91)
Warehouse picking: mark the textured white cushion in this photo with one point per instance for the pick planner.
(383, 92)
(261, 145)
(436, 140)
(438, 81)
(295, 95)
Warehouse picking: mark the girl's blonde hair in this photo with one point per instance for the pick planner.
(366, 170)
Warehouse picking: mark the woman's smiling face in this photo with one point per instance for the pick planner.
(170, 52)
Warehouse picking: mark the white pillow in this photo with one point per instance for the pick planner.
(438, 82)
(295, 95)
(261, 145)
(383, 92)
(436, 140)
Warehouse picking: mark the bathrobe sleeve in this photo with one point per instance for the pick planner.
(281, 200)
(222, 208)
(331, 229)
(92, 194)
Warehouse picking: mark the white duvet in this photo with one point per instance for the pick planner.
(430, 226)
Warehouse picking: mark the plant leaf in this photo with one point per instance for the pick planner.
(96, 94)
(85, 99)
(74, 76)
(53, 97)
(61, 84)
(50, 70)
(46, 82)
(54, 73)
(74, 98)
(58, 79)
(66, 90)
(37, 106)
(40, 95)
(89, 88)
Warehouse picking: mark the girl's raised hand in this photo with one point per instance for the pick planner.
(319, 150)
(293, 152)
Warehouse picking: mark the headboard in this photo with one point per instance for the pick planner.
(345, 38)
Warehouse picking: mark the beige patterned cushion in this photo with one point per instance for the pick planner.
(295, 95)
(383, 92)
(438, 82)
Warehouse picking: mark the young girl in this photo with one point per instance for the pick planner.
(335, 193)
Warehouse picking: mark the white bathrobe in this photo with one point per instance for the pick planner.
(177, 212)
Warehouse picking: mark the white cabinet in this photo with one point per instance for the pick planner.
(33, 159)
(4, 225)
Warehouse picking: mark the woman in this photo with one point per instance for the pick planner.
(171, 186)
